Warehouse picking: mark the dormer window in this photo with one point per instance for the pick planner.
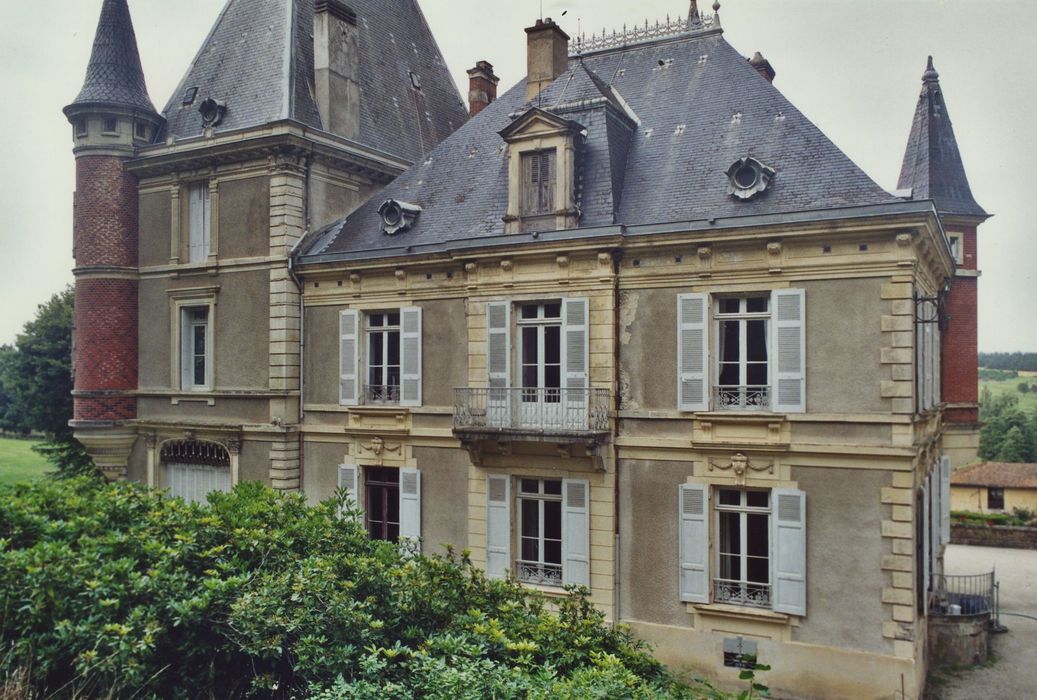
(542, 150)
(538, 183)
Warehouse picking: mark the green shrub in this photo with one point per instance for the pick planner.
(116, 589)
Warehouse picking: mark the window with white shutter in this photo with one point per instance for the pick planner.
(945, 500)
(576, 357)
(195, 348)
(789, 375)
(576, 568)
(692, 352)
(693, 509)
(199, 222)
(498, 526)
(349, 482)
(349, 357)
(927, 539)
(790, 551)
(498, 363)
(410, 391)
(410, 504)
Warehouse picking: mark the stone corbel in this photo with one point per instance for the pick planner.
(151, 443)
(234, 450)
(774, 249)
(705, 254)
(741, 466)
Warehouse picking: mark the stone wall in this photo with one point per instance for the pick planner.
(994, 536)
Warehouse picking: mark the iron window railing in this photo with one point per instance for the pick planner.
(539, 573)
(742, 398)
(565, 410)
(747, 593)
(963, 595)
(382, 394)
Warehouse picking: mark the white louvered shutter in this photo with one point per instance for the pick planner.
(410, 504)
(927, 350)
(575, 358)
(692, 352)
(410, 356)
(349, 481)
(693, 507)
(186, 350)
(927, 538)
(937, 366)
(790, 372)
(349, 357)
(498, 363)
(199, 222)
(576, 536)
(790, 551)
(934, 514)
(498, 526)
(945, 500)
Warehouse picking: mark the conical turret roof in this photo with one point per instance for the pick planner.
(114, 75)
(932, 166)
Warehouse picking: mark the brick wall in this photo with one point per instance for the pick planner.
(106, 213)
(959, 358)
(105, 361)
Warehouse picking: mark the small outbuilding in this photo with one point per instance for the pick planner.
(994, 487)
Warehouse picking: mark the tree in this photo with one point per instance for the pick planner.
(11, 418)
(1015, 447)
(1024, 388)
(38, 379)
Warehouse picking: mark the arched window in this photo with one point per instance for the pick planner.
(194, 469)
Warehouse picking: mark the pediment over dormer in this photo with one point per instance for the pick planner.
(535, 123)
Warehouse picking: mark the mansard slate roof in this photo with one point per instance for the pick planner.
(114, 75)
(258, 59)
(932, 166)
(697, 105)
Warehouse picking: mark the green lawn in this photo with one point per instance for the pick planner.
(19, 463)
(1027, 401)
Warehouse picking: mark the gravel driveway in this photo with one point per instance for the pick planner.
(1013, 676)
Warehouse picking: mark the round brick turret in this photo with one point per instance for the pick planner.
(111, 118)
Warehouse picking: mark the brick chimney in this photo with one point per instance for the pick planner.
(482, 87)
(762, 66)
(336, 63)
(547, 55)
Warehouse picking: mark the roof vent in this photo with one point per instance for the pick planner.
(748, 177)
(212, 112)
(397, 216)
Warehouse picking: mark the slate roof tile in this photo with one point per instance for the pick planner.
(258, 59)
(669, 174)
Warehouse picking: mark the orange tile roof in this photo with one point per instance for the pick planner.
(1000, 474)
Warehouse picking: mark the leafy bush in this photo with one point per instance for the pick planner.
(117, 589)
(1019, 517)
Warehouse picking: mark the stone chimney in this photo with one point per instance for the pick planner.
(762, 66)
(482, 87)
(336, 62)
(547, 55)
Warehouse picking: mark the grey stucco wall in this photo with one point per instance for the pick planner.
(321, 363)
(444, 497)
(844, 558)
(320, 469)
(155, 222)
(244, 218)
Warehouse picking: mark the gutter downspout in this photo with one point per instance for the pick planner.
(293, 274)
(617, 257)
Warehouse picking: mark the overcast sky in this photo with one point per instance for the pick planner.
(853, 66)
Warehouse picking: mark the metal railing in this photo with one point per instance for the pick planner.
(381, 394)
(748, 593)
(567, 410)
(539, 573)
(963, 595)
(741, 398)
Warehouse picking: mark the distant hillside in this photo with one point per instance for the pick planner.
(1018, 361)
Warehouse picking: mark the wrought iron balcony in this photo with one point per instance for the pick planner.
(388, 394)
(539, 573)
(747, 593)
(548, 411)
(742, 398)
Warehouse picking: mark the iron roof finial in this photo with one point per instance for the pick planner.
(930, 75)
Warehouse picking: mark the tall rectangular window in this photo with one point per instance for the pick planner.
(743, 523)
(743, 352)
(540, 531)
(382, 503)
(538, 183)
(540, 338)
(194, 348)
(199, 222)
(383, 357)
